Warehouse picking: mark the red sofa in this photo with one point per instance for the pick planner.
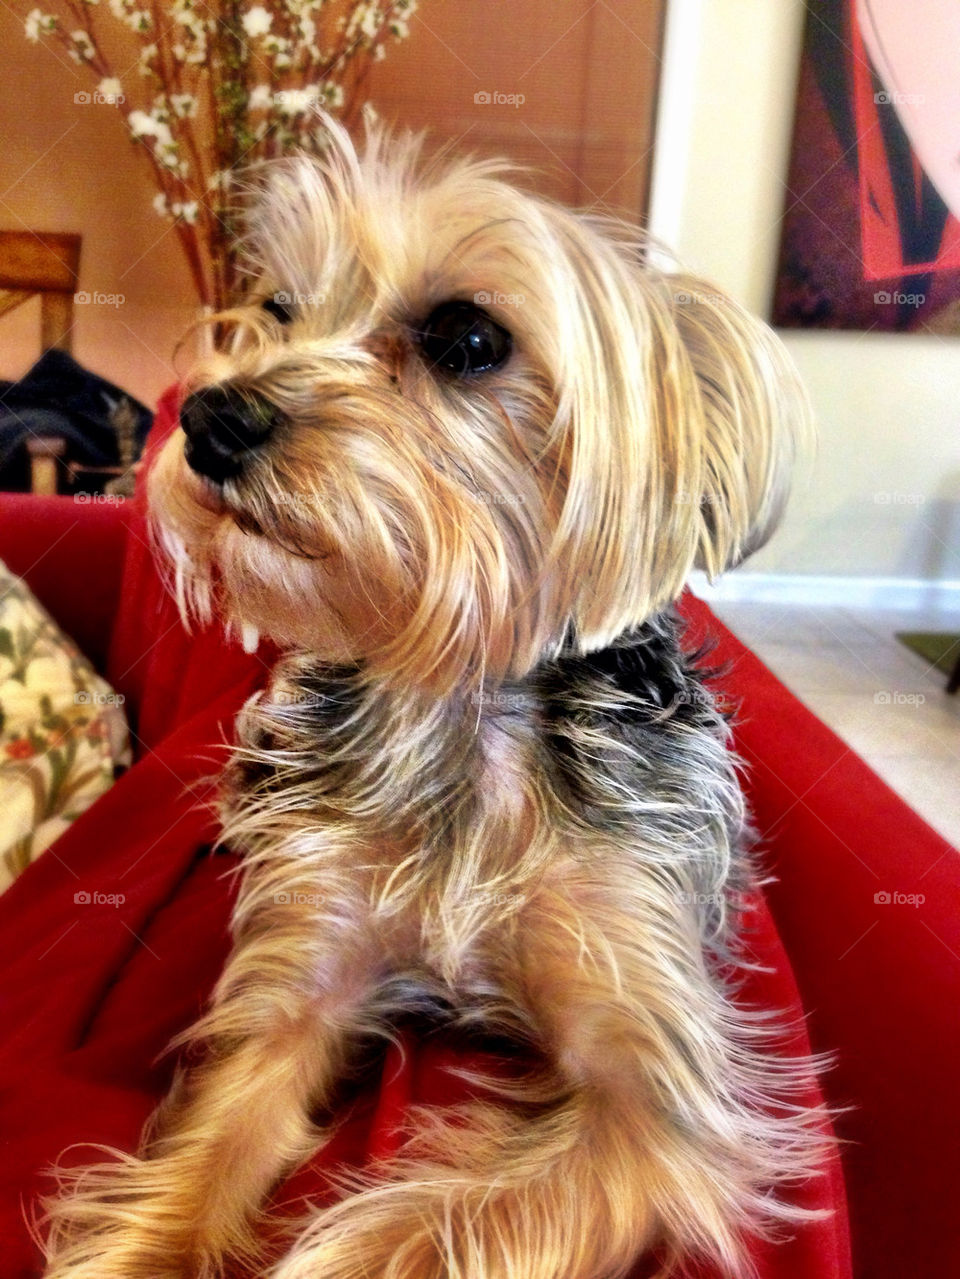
(91, 994)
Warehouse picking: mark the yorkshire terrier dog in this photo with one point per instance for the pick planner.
(456, 456)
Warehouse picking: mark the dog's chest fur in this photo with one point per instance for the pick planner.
(449, 813)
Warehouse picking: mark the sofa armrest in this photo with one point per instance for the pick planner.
(71, 556)
(864, 895)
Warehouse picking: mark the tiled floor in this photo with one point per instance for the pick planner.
(884, 701)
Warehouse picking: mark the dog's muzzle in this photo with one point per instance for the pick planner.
(224, 428)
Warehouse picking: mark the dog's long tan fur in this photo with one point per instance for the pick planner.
(485, 780)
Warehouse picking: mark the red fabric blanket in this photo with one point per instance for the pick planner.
(91, 994)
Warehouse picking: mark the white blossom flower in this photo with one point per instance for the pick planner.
(129, 15)
(187, 212)
(194, 53)
(293, 102)
(83, 50)
(143, 125)
(279, 49)
(184, 105)
(257, 21)
(261, 98)
(292, 37)
(38, 23)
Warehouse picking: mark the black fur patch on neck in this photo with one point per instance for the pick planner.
(626, 723)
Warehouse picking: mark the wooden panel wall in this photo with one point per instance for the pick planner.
(587, 73)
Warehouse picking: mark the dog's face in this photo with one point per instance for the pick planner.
(455, 424)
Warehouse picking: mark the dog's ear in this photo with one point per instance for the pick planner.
(752, 418)
(684, 415)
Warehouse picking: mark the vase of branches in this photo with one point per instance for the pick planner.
(215, 87)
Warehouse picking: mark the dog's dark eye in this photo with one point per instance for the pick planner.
(461, 337)
(279, 306)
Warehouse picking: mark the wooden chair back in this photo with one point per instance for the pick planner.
(48, 264)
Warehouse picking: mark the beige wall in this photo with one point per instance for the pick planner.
(884, 497)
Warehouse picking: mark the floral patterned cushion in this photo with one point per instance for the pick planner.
(63, 732)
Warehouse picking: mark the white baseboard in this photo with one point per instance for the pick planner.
(830, 592)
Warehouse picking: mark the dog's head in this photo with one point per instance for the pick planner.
(455, 425)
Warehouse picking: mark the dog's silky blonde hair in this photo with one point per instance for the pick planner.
(644, 424)
(486, 782)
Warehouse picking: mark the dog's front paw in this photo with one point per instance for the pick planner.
(130, 1259)
(403, 1249)
(129, 1219)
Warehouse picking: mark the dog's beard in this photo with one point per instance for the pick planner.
(368, 536)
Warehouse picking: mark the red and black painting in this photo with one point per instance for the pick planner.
(871, 228)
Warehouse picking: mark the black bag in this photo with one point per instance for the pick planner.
(103, 426)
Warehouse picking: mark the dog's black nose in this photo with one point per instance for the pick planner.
(224, 426)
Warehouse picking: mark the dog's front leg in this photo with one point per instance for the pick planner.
(637, 1134)
(274, 1044)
